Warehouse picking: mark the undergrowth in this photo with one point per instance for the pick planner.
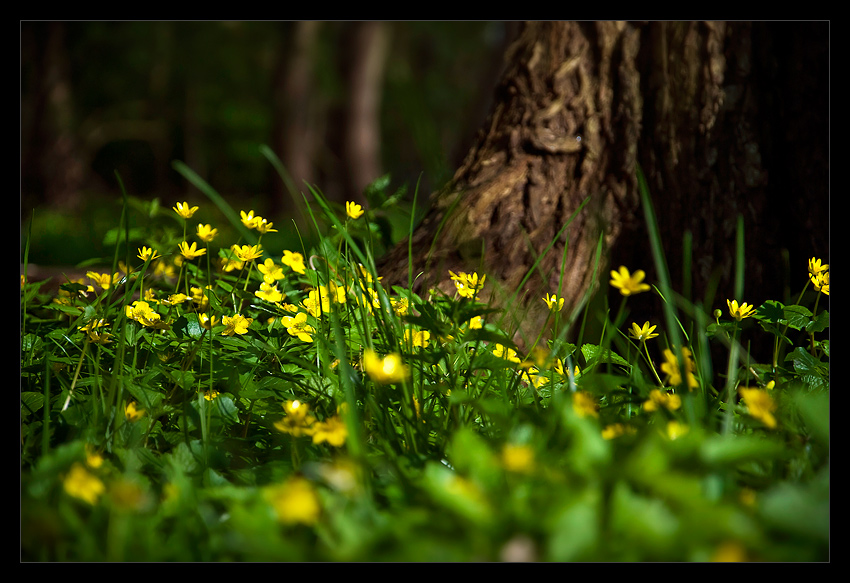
(208, 400)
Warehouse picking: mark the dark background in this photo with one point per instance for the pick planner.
(131, 97)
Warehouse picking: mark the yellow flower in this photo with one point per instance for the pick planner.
(629, 284)
(132, 413)
(229, 264)
(269, 293)
(815, 267)
(295, 501)
(334, 291)
(81, 484)
(467, 284)
(517, 458)
(95, 335)
(760, 405)
(506, 353)
(145, 252)
(615, 430)
(675, 429)
(164, 269)
(93, 324)
(585, 405)
(207, 322)
(238, 324)
(206, 233)
(297, 326)
(740, 312)
(400, 306)
(271, 272)
(175, 299)
(190, 252)
(387, 370)
(247, 252)
(332, 430)
(141, 312)
(248, 219)
(263, 226)
(565, 371)
(642, 333)
(534, 377)
(294, 260)
(353, 210)
(476, 322)
(199, 298)
(417, 338)
(184, 210)
(104, 280)
(554, 302)
(211, 394)
(298, 420)
(94, 459)
(658, 399)
(821, 282)
(674, 374)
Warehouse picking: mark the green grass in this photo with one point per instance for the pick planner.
(159, 439)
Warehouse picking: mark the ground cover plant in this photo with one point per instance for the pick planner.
(215, 400)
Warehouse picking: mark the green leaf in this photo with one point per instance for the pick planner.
(819, 323)
(771, 311)
(31, 402)
(187, 327)
(797, 317)
(806, 364)
(595, 354)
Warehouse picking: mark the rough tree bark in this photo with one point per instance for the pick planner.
(699, 105)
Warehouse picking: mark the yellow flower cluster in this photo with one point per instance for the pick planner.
(299, 421)
(658, 400)
(143, 313)
(256, 222)
(671, 366)
(819, 275)
(467, 284)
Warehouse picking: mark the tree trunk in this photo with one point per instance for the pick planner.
(50, 164)
(710, 111)
(365, 77)
(295, 129)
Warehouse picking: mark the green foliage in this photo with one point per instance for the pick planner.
(350, 422)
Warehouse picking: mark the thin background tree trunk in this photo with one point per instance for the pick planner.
(369, 45)
(297, 131)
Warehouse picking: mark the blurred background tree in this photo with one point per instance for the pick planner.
(341, 103)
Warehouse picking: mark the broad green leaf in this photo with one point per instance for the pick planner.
(819, 323)
(771, 311)
(797, 317)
